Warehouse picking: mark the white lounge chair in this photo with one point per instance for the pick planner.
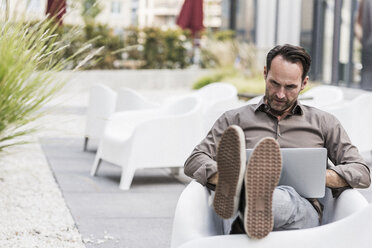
(217, 98)
(347, 222)
(129, 99)
(152, 138)
(322, 96)
(356, 117)
(254, 100)
(102, 101)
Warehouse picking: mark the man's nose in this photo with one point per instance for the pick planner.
(280, 94)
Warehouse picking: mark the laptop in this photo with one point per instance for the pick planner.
(304, 169)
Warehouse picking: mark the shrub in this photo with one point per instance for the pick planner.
(102, 37)
(176, 56)
(152, 48)
(224, 35)
(159, 49)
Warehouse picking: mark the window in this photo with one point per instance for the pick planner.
(115, 7)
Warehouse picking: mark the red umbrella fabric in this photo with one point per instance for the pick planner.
(191, 16)
(56, 8)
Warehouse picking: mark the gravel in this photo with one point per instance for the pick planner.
(33, 212)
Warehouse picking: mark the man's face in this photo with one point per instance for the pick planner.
(283, 84)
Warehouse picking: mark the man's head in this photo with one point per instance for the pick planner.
(285, 75)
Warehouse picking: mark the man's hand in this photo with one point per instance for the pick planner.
(333, 180)
(213, 179)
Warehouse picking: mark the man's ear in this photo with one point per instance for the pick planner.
(265, 72)
(304, 83)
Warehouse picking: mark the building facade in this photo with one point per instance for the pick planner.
(325, 28)
(163, 13)
(119, 13)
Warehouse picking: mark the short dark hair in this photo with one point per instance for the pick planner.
(292, 54)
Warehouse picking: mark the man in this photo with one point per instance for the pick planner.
(278, 120)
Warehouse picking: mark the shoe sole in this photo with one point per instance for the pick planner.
(261, 178)
(231, 163)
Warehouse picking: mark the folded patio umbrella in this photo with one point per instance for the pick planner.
(56, 8)
(191, 16)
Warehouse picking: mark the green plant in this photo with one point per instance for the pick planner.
(154, 48)
(133, 43)
(176, 53)
(244, 84)
(224, 35)
(31, 54)
(102, 36)
(133, 47)
(157, 48)
(216, 76)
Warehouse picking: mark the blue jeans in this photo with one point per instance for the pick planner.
(290, 211)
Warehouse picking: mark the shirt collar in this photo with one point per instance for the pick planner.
(262, 106)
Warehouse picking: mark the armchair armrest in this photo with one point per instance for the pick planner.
(353, 231)
(194, 217)
(196, 225)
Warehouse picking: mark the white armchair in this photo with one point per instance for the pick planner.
(347, 222)
(255, 100)
(129, 99)
(153, 138)
(322, 96)
(356, 117)
(103, 101)
(101, 105)
(217, 98)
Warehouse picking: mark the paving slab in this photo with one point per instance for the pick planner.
(122, 205)
(128, 233)
(139, 217)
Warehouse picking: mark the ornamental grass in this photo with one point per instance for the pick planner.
(31, 54)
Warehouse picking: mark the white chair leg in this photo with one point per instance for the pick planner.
(97, 162)
(127, 174)
(86, 144)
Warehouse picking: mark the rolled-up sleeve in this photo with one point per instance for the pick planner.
(202, 164)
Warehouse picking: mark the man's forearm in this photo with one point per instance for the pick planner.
(356, 175)
(334, 181)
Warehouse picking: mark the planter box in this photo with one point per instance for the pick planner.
(136, 79)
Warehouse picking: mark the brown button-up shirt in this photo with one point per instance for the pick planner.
(303, 127)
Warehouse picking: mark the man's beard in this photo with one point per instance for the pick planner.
(279, 109)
